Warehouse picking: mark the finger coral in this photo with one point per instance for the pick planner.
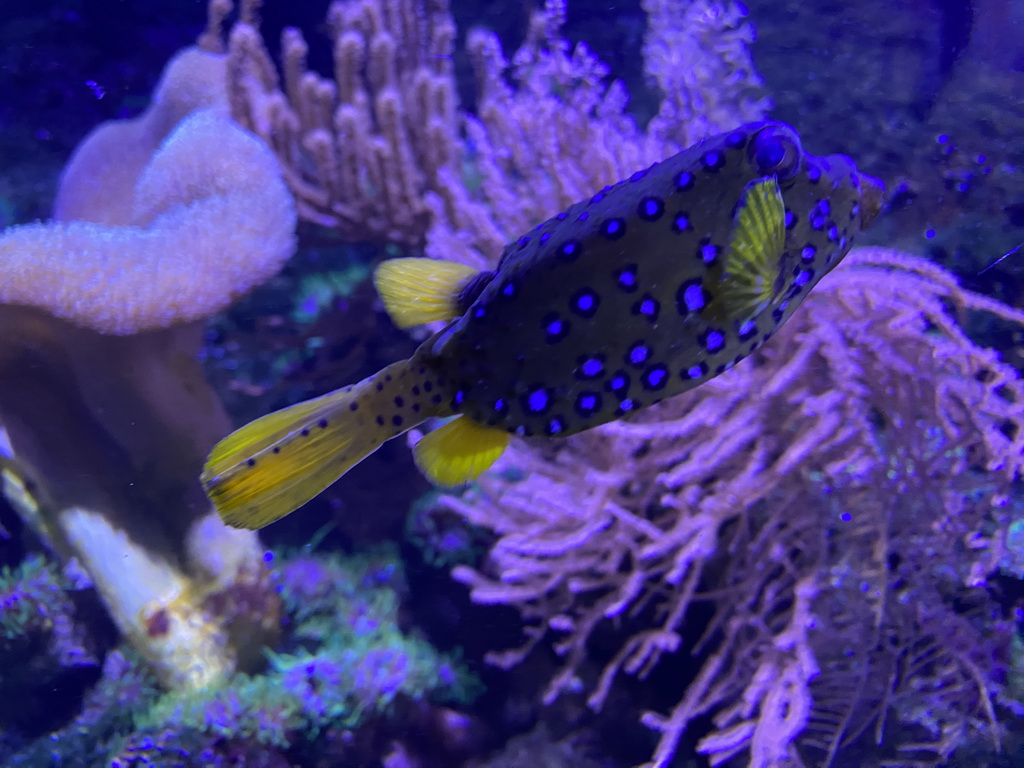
(830, 510)
(345, 664)
(381, 150)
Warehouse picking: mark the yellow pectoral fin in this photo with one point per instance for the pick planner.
(418, 290)
(756, 245)
(460, 451)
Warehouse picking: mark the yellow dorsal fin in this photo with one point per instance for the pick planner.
(752, 259)
(419, 290)
(459, 451)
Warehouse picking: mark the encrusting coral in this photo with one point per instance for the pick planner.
(161, 221)
(835, 503)
(344, 663)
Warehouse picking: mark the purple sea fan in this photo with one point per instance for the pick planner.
(837, 500)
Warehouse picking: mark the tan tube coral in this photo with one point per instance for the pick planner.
(166, 219)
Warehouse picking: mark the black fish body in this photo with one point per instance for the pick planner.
(647, 289)
(617, 302)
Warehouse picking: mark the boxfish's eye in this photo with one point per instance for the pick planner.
(776, 152)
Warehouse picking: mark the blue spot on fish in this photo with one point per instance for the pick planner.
(638, 353)
(626, 278)
(690, 297)
(619, 382)
(651, 208)
(569, 250)
(537, 401)
(591, 367)
(655, 377)
(613, 229)
(713, 340)
(587, 403)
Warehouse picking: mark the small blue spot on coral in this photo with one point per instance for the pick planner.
(583, 216)
(460, 396)
(509, 289)
(684, 180)
(681, 222)
(709, 252)
(696, 371)
(714, 340)
(804, 277)
(808, 253)
(555, 426)
(545, 237)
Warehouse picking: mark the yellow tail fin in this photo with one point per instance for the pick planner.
(275, 464)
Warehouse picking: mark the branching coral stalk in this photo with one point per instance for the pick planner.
(381, 151)
(831, 499)
(359, 148)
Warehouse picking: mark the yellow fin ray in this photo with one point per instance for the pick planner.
(752, 259)
(420, 290)
(460, 451)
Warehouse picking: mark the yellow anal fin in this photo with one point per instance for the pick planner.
(460, 451)
(275, 464)
(419, 290)
(755, 247)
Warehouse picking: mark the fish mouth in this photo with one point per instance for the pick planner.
(872, 196)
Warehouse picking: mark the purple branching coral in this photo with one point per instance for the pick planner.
(832, 505)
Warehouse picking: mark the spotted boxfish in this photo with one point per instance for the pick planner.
(646, 289)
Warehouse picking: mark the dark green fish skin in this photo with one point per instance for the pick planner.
(649, 288)
(612, 305)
